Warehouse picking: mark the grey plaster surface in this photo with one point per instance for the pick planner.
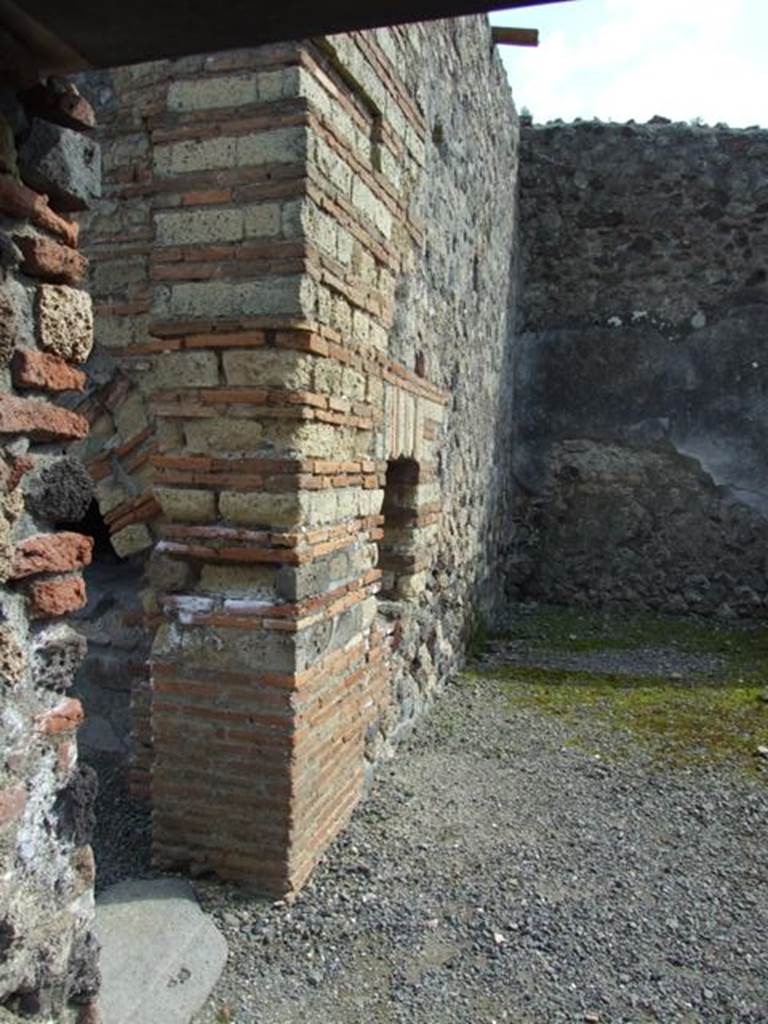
(161, 955)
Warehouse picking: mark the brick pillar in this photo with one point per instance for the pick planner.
(49, 170)
(249, 308)
(274, 266)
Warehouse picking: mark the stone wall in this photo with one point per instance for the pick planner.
(302, 268)
(641, 367)
(49, 170)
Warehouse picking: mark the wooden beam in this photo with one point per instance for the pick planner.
(48, 53)
(503, 36)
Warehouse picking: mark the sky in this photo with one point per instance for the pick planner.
(632, 59)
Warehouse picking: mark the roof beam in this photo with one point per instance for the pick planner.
(504, 36)
(71, 33)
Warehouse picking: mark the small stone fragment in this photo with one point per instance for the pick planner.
(65, 717)
(74, 807)
(10, 254)
(84, 864)
(131, 539)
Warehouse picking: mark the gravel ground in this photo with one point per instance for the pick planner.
(497, 873)
(121, 842)
(650, 661)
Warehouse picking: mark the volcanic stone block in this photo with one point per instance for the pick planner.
(225, 91)
(131, 539)
(62, 492)
(10, 254)
(74, 808)
(12, 657)
(260, 509)
(220, 434)
(15, 318)
(63, 164)
(57, 653)
(186, 370)
(186, 505)
(65, 321)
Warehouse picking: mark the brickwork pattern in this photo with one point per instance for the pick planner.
(261, 213)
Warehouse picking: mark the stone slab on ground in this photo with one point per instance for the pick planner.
(161, 955)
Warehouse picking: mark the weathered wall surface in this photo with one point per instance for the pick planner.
(302, 271)
(49, 168)
(641, 367)
(452, 311)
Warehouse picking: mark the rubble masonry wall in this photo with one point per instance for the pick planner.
(641, 370)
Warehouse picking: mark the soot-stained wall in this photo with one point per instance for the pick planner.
(642, 367)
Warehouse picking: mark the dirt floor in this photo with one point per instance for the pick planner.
(577, 833)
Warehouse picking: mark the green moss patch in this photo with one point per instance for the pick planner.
(677, 723)
(743, 647)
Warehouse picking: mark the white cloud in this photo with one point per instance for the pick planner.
(623, 59)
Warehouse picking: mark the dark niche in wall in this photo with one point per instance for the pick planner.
(112, 622)
(398, 558)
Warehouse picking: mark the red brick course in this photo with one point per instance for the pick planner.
(49, 598)
(16, 200)
(52, 552)
(65, 717)
(51, 261)
(33, 369)
(40, 421)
